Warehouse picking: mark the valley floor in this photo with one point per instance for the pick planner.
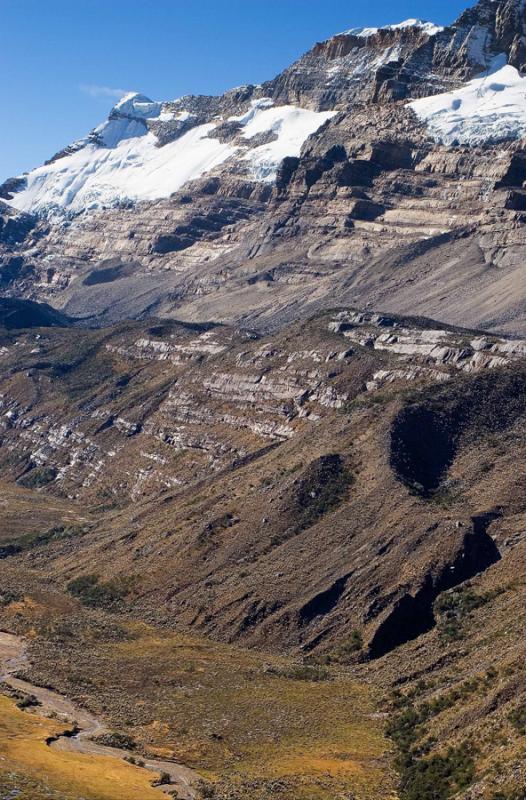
(246, 721)
(294, 563)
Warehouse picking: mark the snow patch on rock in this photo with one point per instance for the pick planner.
(365, 33)
(121, 160)
(291, 126)
(486, 110)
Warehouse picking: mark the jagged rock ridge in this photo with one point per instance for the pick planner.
(370, 207)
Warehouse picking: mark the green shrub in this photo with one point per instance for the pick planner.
(96, 594)
(121, 741)
(164, 779)
(454, 607)
(451, 631)
(353, 645)
(425, 777)
(30, 540)
(137, 762)
(344, 653)
(518, 720)
(438, 777)
(463, 602)
(8, 550)
(321, 489)
(7, 596)
(206, 791)
(302, 672)
(28, 701)
(403, 729)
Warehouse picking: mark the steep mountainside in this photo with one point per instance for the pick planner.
(349, 492)
(263, 433)
(385, 166)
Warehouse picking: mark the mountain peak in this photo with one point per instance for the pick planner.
(427, 27)
(136, 106)
(248, 132)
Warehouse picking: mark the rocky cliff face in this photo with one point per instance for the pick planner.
(225, 391)
(324, 182)
(408, 60)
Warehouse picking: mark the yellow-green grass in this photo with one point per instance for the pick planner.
(26, 513)
(233, 714)
(27, 764)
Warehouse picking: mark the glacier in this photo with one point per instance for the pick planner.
(489, 109)
(122, 160)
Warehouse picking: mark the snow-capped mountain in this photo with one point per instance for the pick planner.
(124, 160)
(427, 27)
(148, 150)
(380, 147)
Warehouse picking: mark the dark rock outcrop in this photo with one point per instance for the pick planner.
(413, 613)
(15, 313)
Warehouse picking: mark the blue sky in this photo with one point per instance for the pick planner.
(63, 62)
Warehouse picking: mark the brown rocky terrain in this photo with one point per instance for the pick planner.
(263, 447)
(348, 492)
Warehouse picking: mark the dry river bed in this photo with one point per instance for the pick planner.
(13, 660)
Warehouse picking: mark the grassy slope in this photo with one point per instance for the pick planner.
(26, 513)
(240, 717)
(41, 773)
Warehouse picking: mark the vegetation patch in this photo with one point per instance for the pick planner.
(93, 592)
(518, 720)
(28, 701)
(216, 526)
(8, 596)
(302, 672)
(38, 477)
(454, 607)
(31, 540)
(437, 776)
(121, 741)
(164, 779)
(321, 488)
(425, 777)
(346, 651)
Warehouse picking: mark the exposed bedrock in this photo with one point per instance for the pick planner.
(426, 434)
(14, 226)
(413, 613)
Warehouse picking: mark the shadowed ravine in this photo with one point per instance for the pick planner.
(13, 659)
